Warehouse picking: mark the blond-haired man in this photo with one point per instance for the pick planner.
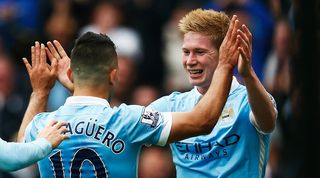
(238, 144)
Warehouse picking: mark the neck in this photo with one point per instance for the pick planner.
(100, 92)
(202, 90)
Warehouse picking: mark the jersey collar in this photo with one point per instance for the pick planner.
(234, 85)
(86, 100)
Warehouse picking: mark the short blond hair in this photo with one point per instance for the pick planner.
(208, 22)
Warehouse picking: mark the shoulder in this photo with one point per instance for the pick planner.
(43, 117)
(40, 120)
(175, 97)
(38, 123)
(125, 107)
(177, 101)
(129, 111)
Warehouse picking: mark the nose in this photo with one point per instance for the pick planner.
(191, 59)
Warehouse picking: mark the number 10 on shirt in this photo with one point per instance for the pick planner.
(81, 155)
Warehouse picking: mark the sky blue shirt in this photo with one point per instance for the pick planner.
(104, 142)
(234, 148)
(15, 156)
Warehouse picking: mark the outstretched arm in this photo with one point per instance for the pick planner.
(42, 77)
(205, 115)
(14, 156)
(261, 103)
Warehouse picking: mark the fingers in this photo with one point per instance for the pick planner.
(49, 54)
(55, 132)
(43, 56)
(64, 136)
(235, 28)
(247, 32)
(53, 50)
(59, 124)
(238, 41)
(243, 54)
(60, 49)
(54, 66)
(231, 26)
(244, 37)
(243, 43)
(63, 130)
(27, 64)
(33, 55)
(37, 54)
(52, 123)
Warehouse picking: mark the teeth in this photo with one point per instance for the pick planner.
(195, 71)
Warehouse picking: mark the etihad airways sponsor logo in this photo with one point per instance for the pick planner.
(207, 150)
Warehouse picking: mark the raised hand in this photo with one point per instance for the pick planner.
(245, 49)
(228, 51)
(42, 75)
(56, 51)
(54, 132)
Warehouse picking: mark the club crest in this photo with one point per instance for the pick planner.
(150, 118)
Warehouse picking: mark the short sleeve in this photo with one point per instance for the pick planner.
(150, 127)
(252, 117)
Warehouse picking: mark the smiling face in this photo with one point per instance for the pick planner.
(200, 59)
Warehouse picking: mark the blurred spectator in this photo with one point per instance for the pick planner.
(144, 95)
(175, 76)
(277, 82)
(61, 24)
(127, 74)
(279, 7)
(107, 18)
(156, 162)
(277, 78)
(12, 102)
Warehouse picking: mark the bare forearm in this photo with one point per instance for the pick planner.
(260, 103)
(215, 97)
(202, 119)
(37, 104)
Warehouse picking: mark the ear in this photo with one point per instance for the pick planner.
(113, 77)
(69, 74)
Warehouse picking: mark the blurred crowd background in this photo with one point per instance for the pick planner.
(149, 49)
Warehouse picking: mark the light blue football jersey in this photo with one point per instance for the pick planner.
(234, 148)
(104, 142)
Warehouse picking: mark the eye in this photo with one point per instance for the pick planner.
(200, 53)
(186, 53)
